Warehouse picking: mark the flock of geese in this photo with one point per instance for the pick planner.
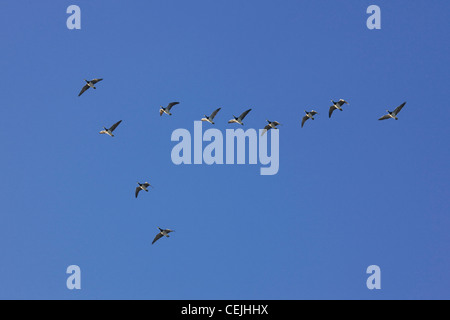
(337, 105)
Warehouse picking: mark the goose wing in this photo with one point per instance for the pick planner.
(244, 114)
(385, 117)
(399, 108)
(171, 105)
(96, 80)
(332, 108)
(266, 128)
(83, 90)
(211, 117)
(114, 126)
(158, 236)
(137, 191)
(304, 120)
(341, 102)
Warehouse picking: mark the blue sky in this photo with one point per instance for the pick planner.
(351, 191)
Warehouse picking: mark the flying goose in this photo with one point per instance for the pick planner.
(89, 84)
(309, 115)
(211, 117)
(142, 186)
(167, 109)
(336, 105)
(393, 114)
(271, 125)
(162, 233)
(110, 130)
(240, 118)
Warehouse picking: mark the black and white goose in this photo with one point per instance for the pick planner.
(142, 186)
(89, 84)
(271, 125)
(309, 115)
(336, 105)
(393, 114)
(166, 110)
(240, 118)
(211, 117)
(162, 233)
(110, 130)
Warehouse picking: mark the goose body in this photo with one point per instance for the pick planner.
(89, 84)
(142, 186)
(166, 110)
(240, 118)
(110, 130)
(393, 114)
(336, 106)
(211, 117)
(309, 115)
(162, 233)
(271, 125)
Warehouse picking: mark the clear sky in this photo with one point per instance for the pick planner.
(351, 191)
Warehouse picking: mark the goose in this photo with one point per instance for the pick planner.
(167, 109)
(271, 125)
(240, 118)
(211, 117)
(162, 233)
(309, 115)
(89, 84)
(110, 130)
(336, 105)
(393, 114)
(142, 186)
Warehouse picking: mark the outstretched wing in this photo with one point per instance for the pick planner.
(171, 105)
(83, 90)
(114, 126)
(244, 114)
(158, 236)
(96, 80)
(304, 120)
(214, 114)
(385, 117)
(137, 191)
(399, 108)
(332, 108)
(313, 112)
(266, 128)
(341, 102)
